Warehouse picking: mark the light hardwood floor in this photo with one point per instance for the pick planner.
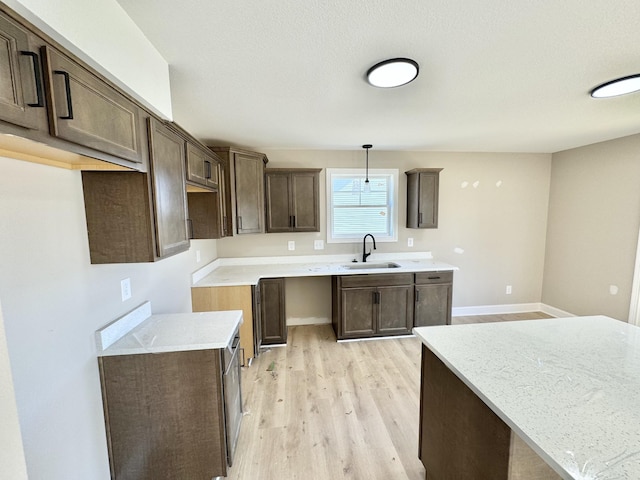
(318, 409)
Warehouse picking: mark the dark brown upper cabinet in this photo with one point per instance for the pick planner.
(422, 197)
(292, 200)
(202, 167)
(137, 217)
(22, 99)
(244, 189)
(85, 110)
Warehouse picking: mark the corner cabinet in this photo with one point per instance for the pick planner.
(372, 305)
(244, 189)
(433, 293)
(422, 197)
(292, 200)
(137, 217)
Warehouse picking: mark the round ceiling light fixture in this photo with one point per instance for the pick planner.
(393, 73)
(620, 86)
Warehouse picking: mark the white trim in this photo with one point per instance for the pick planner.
(509, 308)
(294, 322)
(634, 305)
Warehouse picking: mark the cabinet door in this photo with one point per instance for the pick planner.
(21, 91)
(428, 200)
(272, 311)
(305, 208)
(433, 305)
(249, 178)
(358, 312)
(169, 194)
(201, 167)
(279, 217)
(395, 310)
(257, 319)
(85, 110)
(224, 197)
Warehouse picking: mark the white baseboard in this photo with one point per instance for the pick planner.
(292, 321)
(509, 308)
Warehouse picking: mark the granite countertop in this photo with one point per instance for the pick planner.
(568, 387)
(169, 333)
(248, 271)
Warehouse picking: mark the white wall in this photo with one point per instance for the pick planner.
(594, 217)
(53, 300)
(500, 224)
(12, 462)
(102, 34)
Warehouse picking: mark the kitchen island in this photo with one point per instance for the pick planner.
(554, 398)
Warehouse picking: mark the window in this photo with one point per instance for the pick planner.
(353, 212)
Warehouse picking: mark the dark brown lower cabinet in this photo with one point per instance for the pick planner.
(433, 294)
(372, 305)
(272, 311)
(164, 415)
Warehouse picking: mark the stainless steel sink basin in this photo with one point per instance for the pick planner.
(371, 266)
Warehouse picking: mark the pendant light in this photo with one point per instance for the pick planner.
(367, 186)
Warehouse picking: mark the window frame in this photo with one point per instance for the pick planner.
(392, 204)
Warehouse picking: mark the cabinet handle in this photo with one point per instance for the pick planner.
(207, 170)
(37, 75)
(433, 278)
(290, 222)
(293, 224)
(417, 296)
(67, 89)
(239, 222)
(420, 218)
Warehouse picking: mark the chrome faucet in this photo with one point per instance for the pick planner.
(364, 246)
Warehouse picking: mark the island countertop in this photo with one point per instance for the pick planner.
(249, 271)
(569, 387)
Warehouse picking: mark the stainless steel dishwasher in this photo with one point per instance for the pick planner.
(232, 395)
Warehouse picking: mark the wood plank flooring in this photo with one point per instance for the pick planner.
(318, 409)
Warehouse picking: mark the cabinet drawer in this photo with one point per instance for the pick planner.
(376, 280)
(434, 277)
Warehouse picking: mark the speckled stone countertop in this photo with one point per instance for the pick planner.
(569, 387)
(174, 332)
(248, 271)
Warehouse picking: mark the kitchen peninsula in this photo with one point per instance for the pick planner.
(522, 400)
(234, 283)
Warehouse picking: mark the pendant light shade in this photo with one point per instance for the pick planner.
(393, 73)
(620, 86)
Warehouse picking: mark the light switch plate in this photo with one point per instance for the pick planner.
(291, 245)
(318, 244)
(409, 242)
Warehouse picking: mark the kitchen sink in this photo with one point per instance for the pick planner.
(371, 266)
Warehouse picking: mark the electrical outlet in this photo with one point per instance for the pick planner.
(125, 289)
(318, 244)
(291, 245)
(409, 242)
(198, 256)
(508, 290)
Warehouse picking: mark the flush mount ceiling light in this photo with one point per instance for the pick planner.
(392, 73)
(617, 87)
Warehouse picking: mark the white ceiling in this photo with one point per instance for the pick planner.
(495, 75)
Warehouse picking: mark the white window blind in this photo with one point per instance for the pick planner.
(353, 211)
